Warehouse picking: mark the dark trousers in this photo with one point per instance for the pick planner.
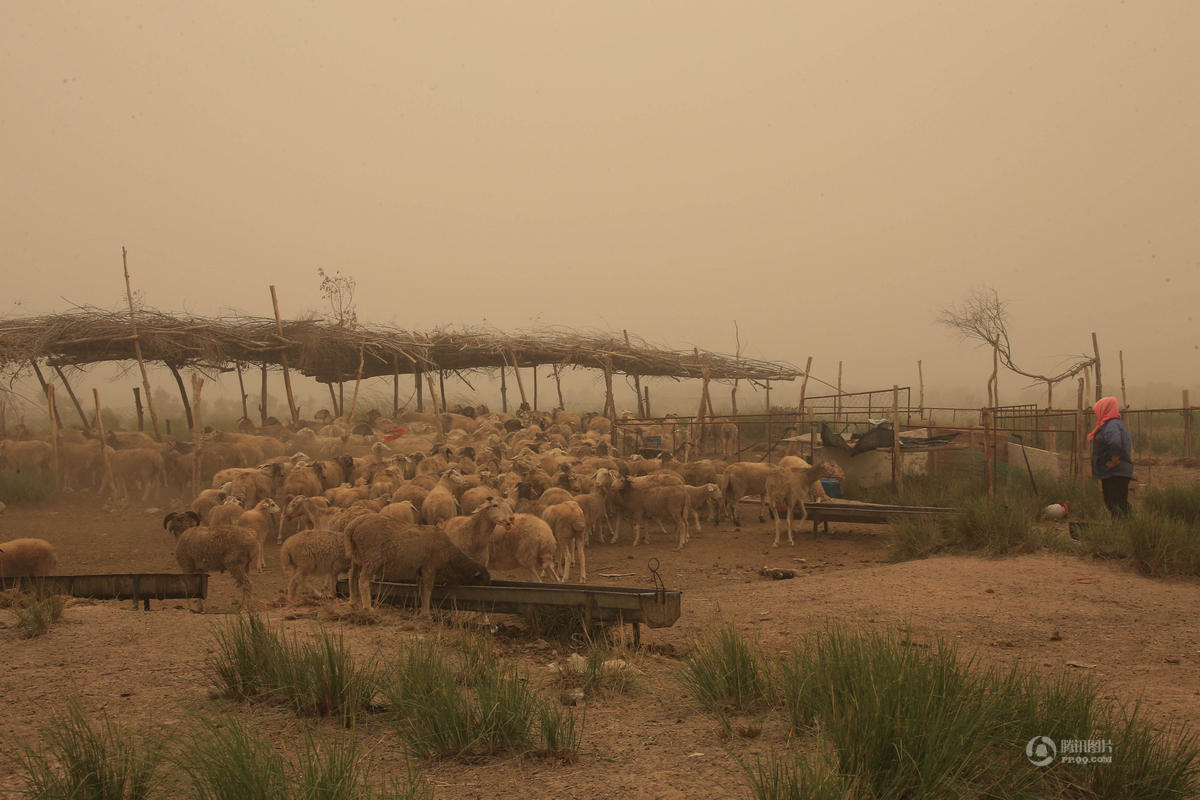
(1116, 495)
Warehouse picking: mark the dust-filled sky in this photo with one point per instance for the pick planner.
(827, 174)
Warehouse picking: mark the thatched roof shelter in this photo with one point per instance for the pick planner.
(331, 353)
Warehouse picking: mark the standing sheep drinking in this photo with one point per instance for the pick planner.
(570, 528)
(528, 543)
(308, 553)
(789, 485)
(379, 547)
(473, 533)
(27, 558)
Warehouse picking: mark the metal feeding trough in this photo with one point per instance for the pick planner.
(135, 586)
(656, 607)
(867, 513)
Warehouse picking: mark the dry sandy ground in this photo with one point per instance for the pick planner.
(1138, 637)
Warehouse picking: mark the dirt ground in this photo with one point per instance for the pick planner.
(1139, 637)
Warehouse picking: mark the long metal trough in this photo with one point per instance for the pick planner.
(868, 513)
(135, 586)
(654, 607)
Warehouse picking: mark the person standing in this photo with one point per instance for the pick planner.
(1112, 455)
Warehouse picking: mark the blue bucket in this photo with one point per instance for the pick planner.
(832, 487)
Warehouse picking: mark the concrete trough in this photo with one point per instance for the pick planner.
(135, 586)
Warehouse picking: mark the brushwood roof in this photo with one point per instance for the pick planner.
(329, 352)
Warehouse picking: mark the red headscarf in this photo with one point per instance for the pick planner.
(1106, 408)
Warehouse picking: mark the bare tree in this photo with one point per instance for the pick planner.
(338, 291)
(983, 317)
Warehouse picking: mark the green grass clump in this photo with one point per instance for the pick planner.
(797, 777)
(76, 759)
(993, 528)
(1180, 502)
(255, 662)
(37, 611)
(1156, 545)
(228, 760)
(725, 674)
(26, 487)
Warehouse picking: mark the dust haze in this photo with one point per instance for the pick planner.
(829, 175)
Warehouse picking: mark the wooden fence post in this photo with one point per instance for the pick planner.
(503, 391)
(137, 406)
(287, 377)
(137, 348)
(1099, 383)
(262, 408)
(54, 423)
(242, 390)
(108, 473)
(1187, 426)
(437, 411)
(897, 456)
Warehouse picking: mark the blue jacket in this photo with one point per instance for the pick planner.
(1113, 439)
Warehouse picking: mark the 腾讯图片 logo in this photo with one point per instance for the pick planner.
(1040, 751)
(1043, 751)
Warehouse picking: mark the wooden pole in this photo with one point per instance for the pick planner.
(54, 425)
(137, 406)
(516, 368)
(768, 421)
(437, 411)
(989, 476)
(637, 384)
(262, 408)
(418, 371)
(332, 398)
(1187, 426)
(1080, 455)
(503, 391)
(187, 406)
(558, 387)
(921, 389)
(1121, 363)
(242, 390)
(395, 386)
(357, 383)
(699, 428)
(1096, 351)
(287, 377)
(535, 387)
(45, 387)
(442, 385)
(646, 391)
(341, 401)
(610, 406)
(837, 406)
(137, 347)
(1087, 376)
(897, 457)
(82, 417)
(197, 385)
(804, 388)
(108, 473)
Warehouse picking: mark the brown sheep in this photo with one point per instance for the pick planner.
(570, 528)
(260, 520)
(33, 558)
(528, 543)
(309, 553)
(647, 501)
(439, 505)
(472, 533)
(789, 486)
(204, 549)
(381, 547)
(402, 512)
(742, 479)
(227, 513)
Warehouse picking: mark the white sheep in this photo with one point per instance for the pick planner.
(260, 520)
(380, 547)
(707, 495)
(528, 543)
(204, 549)
(643, 499)
(570, 528)
(32, 558)
(789, 485)
(472, 533)
(313, 553)
(439, 505)
(227, 513)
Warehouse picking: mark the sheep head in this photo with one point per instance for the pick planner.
(179, 521)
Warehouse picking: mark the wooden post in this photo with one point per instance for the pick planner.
(54, 425)
(262, 408)
(803, 389)
(610, 406)
(837, 403)
(442, 386)
(108, 473)
(921, 389)
(1121, 363)
(187, 406)
(558, 386)
(1096, 351)
(197, 385)
(535, 387)
(649, 413)
(1187, 426)
(418, 371)
(637, 383)
(437, 411)
(503, 392)
(1087, 376)
(137, 405)
(45, 388)
(341, 403)
(357, 383)
(332, 399)
(989, 477)
(137, 347)
(82, 417)
(516, 368)
(1080, 453)
(287, 377)
(242, 390)
(768, 421)
(897, 456)
(732, 398)
(699, 429)
(395, 386)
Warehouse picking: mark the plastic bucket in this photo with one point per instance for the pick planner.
(832, 487)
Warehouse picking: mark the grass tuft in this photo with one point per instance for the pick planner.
(26, 487)
(227, 760)
(36, 611)
(1180, 502)
(725, 674)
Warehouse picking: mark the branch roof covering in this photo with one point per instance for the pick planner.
(329, 352)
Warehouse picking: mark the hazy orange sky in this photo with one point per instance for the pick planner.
(827, 174)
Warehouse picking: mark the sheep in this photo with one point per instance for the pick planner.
(379, 546)
(261, 520)
(27, 558)
(32, 455)
(402, 512)
(205, 549)
(741, 479)
(788, 485)
(707, 495)
(527, 543)
(412, 492)
(595, 510)
(207, 500)
(439, 505)
(472, 533)
(311, 553)
(227, 513)
(315, 510)
(570, 528)
(346, 495)
(643, 500)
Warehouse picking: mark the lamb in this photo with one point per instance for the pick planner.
(706, 495)
(261, 520)
(227, 513)
(741, 479)
(595, 510)
(788, 485)
(472, 533)
(315, 510)
(205, 549)
(527, 543)
(570, 528)
(381, 547)
(27, 558)
(439, 505)
(309, 553)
